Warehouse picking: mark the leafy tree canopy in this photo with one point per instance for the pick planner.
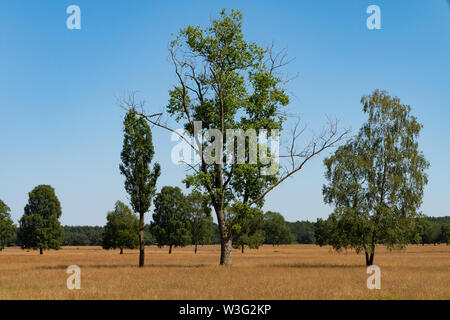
(170, 224)
(122, 228)
(277, 232)
(7, 227)
(376, 180)
(39, 227)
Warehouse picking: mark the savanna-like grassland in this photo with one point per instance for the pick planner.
(284, 272)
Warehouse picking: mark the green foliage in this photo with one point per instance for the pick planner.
(122, 228)
(215, 237)
(225, 83)
(137, 153)
(302, 231)
(170, 224)
(82, 235)
(149, 237)
(435, 230)
(432, 233)
(200, 219)
(247, 224)
(93, 236)
(140, 181)
(276, 229)
(39, 227)
(321, 232)
(7, 227)
(376, 180)
(445, 233)
(439, 220)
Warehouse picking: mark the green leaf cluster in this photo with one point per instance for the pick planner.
(122, 228)
(39, 227)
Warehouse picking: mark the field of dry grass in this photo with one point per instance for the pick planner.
(284, 272)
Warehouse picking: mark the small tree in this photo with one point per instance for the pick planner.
(122, 229)
(445, 233)
(277, 232)
(247, 227)
(376, 180)
(7, 227)
(170, 218)
(140, 181)
(200, 219)
(321, 232)
(39, 227)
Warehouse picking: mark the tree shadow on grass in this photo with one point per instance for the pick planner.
(118, 266)
(313, 266)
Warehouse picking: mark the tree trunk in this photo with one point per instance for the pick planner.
(225, 239)
(170, 249)
(369, 259)
(225, 252)
(141, 240)
(121, 250)
(195, 250)
(40, 251)
(242, 248)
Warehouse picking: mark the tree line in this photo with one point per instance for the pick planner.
(194, 227)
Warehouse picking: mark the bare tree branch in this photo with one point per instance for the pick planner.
(327, 139)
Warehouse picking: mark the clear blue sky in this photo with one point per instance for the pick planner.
(60, 123)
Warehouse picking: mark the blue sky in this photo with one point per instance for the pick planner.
(60, 123)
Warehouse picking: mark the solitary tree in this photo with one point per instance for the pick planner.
(140, 181)
(122, 229)
(200, 219)
(170, 218)
(247, 227)
(277, 232)
(226, 83)
(7, 227)
(376, 180)
(39, 227)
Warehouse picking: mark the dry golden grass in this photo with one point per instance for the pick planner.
(284, 272)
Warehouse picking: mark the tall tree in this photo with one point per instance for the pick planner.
(376, 180)
(122, 229)
(171, 218)
(276, 229)
(39, 227)
(7, 227)
(140, 181)
(225, 82)
(200, 219)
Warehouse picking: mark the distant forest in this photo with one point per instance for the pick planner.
(303, 232)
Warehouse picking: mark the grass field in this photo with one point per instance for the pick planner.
(284, 272)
